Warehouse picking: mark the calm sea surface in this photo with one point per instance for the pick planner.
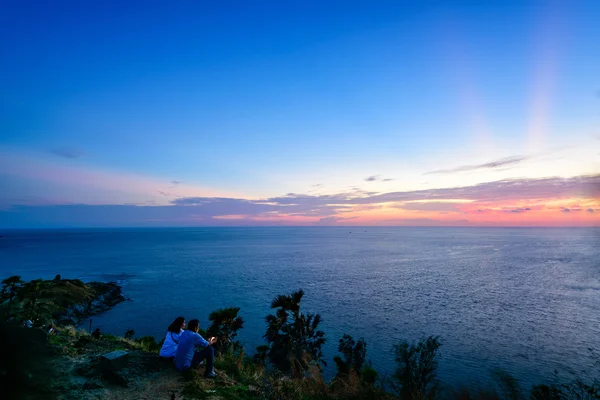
(523, 300)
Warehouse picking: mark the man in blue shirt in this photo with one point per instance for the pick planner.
(186, 357)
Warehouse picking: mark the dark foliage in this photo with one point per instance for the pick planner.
(129, 334)
(148, 343)
(24, 361)
(369, 375)
(353, 355)
(416, 376)
(294, 338)
(225, 323)
(509, 387)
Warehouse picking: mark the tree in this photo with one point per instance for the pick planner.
(129, 334)
(294, 339)
(225, 323)
(260, 357)
(354, 355)
(417, 369)
(31, 293)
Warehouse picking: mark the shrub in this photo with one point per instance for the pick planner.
(129, 334)
(416, 375)
(369, 375)
(148, 343)
(294, 339)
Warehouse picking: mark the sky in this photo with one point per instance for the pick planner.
(236, 113)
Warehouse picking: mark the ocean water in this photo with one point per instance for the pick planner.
(524, 300)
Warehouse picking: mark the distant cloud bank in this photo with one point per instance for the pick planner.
(511, 196)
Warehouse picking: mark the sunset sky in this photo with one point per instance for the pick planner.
(234, 113)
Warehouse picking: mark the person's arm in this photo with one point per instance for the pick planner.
(201, 341)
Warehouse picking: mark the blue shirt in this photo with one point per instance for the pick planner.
(185, 349)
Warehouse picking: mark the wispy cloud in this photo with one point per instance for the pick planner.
(66, 152)
(517, 210)
(374, 178)
(503, 162)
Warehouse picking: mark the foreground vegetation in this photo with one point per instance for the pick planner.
(66, 364)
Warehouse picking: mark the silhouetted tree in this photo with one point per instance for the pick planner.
(31, 293)
(354, 355)
(416, 375)
(225, 323)
(129, 334)
(294, 339)
(260, 357)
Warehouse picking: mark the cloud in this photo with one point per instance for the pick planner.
(334, 220)
(590, 210)
(374, 178)
(565, 210)
(505, 190)
(175, 183)
(430, 206)
(306, 208)
(517, 210)
(510, 161)
(66, 152)
(316, 187)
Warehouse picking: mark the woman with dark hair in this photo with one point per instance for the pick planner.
(169, 347)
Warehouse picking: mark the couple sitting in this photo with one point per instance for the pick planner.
(181, 345)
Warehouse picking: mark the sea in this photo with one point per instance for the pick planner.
(525, 301)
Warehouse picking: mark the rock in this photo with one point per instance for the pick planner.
(114, 360)
(105, 296)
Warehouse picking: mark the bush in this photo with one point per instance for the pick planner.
(148, 343)
(294, 339)
(369, 375)
(129, 334)
(416, 375)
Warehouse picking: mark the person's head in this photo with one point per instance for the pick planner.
(194, 325)
(177, 325)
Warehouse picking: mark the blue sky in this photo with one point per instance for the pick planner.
(252, 100)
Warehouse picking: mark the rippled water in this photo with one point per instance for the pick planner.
(523, 300)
